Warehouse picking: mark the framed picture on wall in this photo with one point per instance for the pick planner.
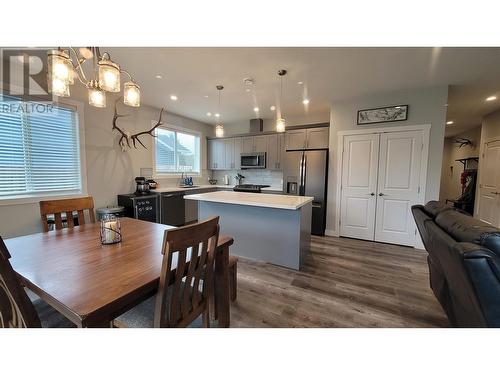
(383, 114)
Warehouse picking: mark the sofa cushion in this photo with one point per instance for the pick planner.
(465, 228)
(433, 208)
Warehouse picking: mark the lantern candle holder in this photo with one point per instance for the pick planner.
(110, 230)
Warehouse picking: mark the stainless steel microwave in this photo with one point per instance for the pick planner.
(253, 160)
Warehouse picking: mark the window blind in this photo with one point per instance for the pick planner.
(39, 152)
(177, 152)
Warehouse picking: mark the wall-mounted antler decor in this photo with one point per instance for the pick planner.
(461, 142)
(126, 136)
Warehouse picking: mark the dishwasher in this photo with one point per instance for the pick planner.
(173, 209)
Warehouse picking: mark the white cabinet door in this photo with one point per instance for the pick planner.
(229, 153)
(398, 186)
(216, 154)
(210, 154)
(281, 150)
(272, 152)
(296, 139)
(247, 144)
(260, 143)
(317, 138)
(359, 186)
(489, 185)
(237, 153)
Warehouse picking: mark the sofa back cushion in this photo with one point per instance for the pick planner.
(433, 208)
(464, 228)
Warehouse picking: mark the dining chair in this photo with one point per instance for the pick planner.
(67, 206)
(16, 309)
(186, 280)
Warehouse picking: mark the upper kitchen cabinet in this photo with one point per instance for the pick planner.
(229, 153)
(247, 145)
(237, 152)
(275, 149)
(216, 154)
(260, 143)
(312, 138)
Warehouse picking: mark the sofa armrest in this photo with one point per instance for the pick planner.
(483, 268)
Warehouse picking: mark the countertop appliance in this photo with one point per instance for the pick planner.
(142, 186)
(141, 206)
(306, 173)
(253, 160)
(250, 188)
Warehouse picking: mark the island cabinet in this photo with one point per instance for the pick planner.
(307, 139)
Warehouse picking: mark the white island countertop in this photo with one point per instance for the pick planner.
(173, 189)
(287, 202)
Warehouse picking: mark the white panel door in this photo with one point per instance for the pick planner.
(489, 186)
(359, 186)
(398, 186)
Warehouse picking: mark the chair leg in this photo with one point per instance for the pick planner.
(233, 281)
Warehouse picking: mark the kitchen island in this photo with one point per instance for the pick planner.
(267, 227)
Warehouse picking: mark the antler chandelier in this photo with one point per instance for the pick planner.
(66, 64)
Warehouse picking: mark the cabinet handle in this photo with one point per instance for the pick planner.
(381, 194)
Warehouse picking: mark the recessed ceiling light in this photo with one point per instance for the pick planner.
(491, 98)
(173, 97)
(217, 115)
(159, 76)
(206, 96)
(300, 83)
(256, 109)
(449, 122)
(209, 114)
(273, 108)
(305, 101)
(247, 90)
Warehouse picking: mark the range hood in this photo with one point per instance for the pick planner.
(256, 125)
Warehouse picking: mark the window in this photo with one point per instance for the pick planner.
(176, 152)
(39, 150)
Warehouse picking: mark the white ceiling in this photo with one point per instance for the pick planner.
(328, 75)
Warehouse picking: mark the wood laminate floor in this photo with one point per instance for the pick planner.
(345, 283)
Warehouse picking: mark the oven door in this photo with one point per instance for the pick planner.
(253, 160)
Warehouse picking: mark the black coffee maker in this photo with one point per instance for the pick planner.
(142, 185)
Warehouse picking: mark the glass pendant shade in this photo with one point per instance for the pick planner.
(58, 87)
(280, 125)
(60, 67)
(109, 75)
(219, 130)
(131, 94)
(97, 97)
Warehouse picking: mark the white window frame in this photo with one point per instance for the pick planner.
(176, 174)
(37, 197)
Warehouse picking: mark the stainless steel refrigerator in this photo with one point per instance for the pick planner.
(305, 173)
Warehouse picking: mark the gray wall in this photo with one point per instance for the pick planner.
(450, 176)
(426, 106)
(110, 171)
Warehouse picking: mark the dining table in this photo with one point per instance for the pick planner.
(91, 284)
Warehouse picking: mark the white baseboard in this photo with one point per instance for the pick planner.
(331, 233)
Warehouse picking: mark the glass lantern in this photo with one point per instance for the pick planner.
(131, 94)
(97, 97)
(219, 130)
(109, 75)
(60, 67)
(280, 125)
(110, 230)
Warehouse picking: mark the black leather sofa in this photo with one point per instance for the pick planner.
(464, 264)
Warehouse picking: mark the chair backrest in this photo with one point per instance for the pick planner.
(16, 309)
(191, 251)
(68, 206)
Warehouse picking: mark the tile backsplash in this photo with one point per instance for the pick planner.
(255, 176)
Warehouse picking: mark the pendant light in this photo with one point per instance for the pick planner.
(219, 128)
(280, 121)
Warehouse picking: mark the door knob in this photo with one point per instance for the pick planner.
(372, 194)
(381, 194)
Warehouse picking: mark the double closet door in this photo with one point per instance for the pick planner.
(380, 183)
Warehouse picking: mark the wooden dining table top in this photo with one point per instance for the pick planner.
(84, 279)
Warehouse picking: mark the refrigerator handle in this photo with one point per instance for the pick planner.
(302, 188)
